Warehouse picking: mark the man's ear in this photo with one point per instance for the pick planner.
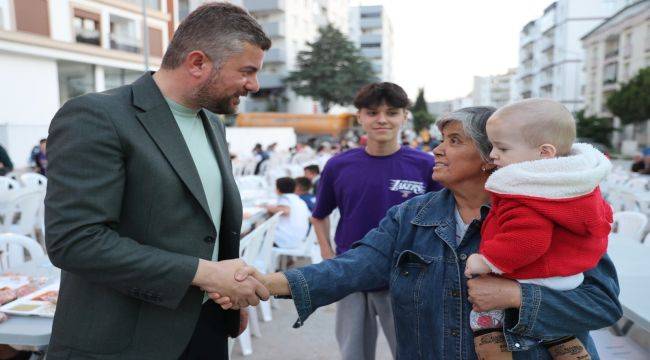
(547, 151)
(197, 63)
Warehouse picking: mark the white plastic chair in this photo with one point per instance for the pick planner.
(628, 226)
(308, 248)
(21, 212)
(13, 247)
(37, 182)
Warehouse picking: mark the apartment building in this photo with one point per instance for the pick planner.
(372, 31)
(550, 52)
(290, 24)
(615, 51)
(53, 50)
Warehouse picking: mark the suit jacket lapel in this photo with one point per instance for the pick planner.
(159, 123)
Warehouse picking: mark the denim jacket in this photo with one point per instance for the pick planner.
(413, 251)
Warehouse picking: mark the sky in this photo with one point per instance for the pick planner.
(442, 44)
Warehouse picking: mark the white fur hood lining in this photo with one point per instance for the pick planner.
(558, 178)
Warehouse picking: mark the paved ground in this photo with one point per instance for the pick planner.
(315, 340)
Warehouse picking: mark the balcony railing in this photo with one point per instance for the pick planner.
(370, 23)
(92, 37)
(275, 56)
(274, 29)
(264, 6)
(125, 43)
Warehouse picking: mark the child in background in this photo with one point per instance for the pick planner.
(548, 222)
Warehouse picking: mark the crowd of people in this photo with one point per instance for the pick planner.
(433, 244)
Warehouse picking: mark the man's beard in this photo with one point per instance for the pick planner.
(219, 105)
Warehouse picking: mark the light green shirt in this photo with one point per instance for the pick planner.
(205, 161)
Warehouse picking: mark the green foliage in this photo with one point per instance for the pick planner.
(420, 103)
(595, 128)
(331, 71)
(632, 102)
(421, 117)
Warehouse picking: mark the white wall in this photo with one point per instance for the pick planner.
(31, 98)
(61, 20)
(243, 139)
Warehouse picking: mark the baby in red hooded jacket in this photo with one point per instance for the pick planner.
(548, 221)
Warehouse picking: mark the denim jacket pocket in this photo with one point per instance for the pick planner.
(411, 291)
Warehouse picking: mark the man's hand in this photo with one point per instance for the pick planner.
(476, 265)
(276, 283)
(488, 292)
(219, 277)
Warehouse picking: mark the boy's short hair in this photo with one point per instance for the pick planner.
(313, 168)
(285, 185)
(373, 95)
(303, 183)
(544, 121)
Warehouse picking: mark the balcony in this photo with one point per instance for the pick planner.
(370, 39)
(370, 23)
(264, 6)
(274, 29)
(125, 43)
(270, 81)
(275, 56)
(371, 52)
(611, 54)
(92, 37)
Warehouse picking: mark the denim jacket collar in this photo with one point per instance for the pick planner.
(439, 210)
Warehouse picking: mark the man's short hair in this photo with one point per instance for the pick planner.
(313, 168)
(303, 183)
(219, 30)
(285, 185)
(373, 95)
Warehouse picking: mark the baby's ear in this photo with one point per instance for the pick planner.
(547, 151)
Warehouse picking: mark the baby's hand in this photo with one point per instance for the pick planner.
(476, 265)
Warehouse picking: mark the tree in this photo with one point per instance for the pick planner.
(598, 129)
(630, 103)
(331, 70)
(421, 117)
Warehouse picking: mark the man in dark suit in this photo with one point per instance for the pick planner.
(142, 212)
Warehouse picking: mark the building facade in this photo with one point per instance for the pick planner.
(615, 52)
(371, 30)
(550, 52)
(291, 25)
(53, 50)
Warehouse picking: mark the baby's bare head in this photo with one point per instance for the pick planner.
(541, 121)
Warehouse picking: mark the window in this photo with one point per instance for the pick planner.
(183, 9)
(609, 73)
(371, 46)
(4, 15)
(114, 77)
(125, 34)
(75, 79)
(86, 27)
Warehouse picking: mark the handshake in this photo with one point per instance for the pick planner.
(235, 285)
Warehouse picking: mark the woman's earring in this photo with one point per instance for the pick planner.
(483, 169)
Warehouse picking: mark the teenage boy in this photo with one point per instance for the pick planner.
(364, 183)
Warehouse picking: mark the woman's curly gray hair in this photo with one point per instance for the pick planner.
(473, 120)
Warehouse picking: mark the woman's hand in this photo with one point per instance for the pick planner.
(488, 292)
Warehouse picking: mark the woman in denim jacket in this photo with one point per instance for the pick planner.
(415, 251)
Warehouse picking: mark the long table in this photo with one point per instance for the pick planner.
(30, 330)
(36, 331)
(631, 260)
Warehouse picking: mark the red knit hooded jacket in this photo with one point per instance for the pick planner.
(548, 217)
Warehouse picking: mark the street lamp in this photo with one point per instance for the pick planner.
(145, 35)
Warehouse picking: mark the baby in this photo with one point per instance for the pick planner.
(548, 222)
